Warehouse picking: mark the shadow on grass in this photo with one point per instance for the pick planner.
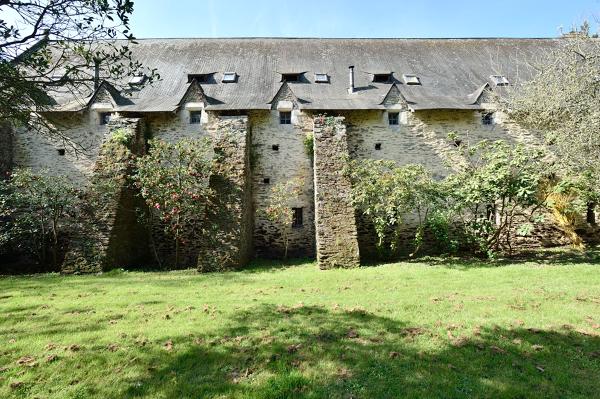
(312, 352)
(547, 256)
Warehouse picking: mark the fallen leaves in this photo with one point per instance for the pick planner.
(168, 346)
(73, 348)
(28, 361)
(352, 334)
(16, 384)
(112, 347)
(51, 358)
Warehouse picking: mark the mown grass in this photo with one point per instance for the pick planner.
(432, 328)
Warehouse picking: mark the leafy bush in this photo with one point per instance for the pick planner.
(174, 181)
(279, 210)
(37, 211)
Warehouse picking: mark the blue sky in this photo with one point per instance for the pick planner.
(364, 18)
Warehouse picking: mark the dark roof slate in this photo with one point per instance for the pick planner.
(453, 72)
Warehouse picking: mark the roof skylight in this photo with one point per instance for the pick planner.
(411, 79)
(229, 77)
(137, 80)
(499, 80)
(321, 78)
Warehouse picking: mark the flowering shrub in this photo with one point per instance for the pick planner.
(174, 181)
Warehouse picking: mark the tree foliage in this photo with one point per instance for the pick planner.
(561, 102)
(500, 188)
(37, 210)
(174, 181)
(55, 46)
(279, 207)
(389, 195)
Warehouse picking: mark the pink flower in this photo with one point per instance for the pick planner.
(157, 205)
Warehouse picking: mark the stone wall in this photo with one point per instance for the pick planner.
(422, 138)
(289, 161)
(229, 244)
(112, 235)
(82, 136)
(337, 244)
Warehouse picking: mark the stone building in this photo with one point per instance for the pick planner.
(395, 98)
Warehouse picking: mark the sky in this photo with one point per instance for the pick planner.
(364, 18)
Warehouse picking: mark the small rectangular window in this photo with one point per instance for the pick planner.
(321, 78)
(291, 77)
(104, 118)
(411, 79)
(377, 146)
(499, 80)
(275, 147)
(266, 180)
(61, 151)
(382, 77)
(297, 217)
(229, 77)
(137, 80)
(195, 117)
(394, 118)
(199, 77)
(487, 118)
(285, 117)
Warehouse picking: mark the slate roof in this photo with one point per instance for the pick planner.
(453, 72)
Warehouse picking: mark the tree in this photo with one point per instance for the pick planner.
(38, 209)
(389, 195)
(61, 46)
(500, 188)
(279, 208)
(174, 182)
(561, 102)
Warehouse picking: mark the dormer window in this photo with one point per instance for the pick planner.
(199, 77)
(394, 118)
(104, 118)
(499, 80)
(285, 117)
(321, 78)
(291, 77)
(195, 117)
(411, 79)
(382, 78)
(229, 77)
(487, 118)
(137, 80)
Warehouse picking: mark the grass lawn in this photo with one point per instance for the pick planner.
(425, 329)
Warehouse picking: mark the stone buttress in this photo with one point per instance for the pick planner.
(230, 243)
(337, 244)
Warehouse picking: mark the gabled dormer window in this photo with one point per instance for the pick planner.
(291, 77)
(321, 78)
(487, 118)
(195, 117)
(499, 80)
(104, 118)
(229, 77)
(393, 118)
(285, 117)
(382, 78)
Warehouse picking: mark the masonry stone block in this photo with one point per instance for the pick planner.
(337, 244)
(112, 233)
(229, 244)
